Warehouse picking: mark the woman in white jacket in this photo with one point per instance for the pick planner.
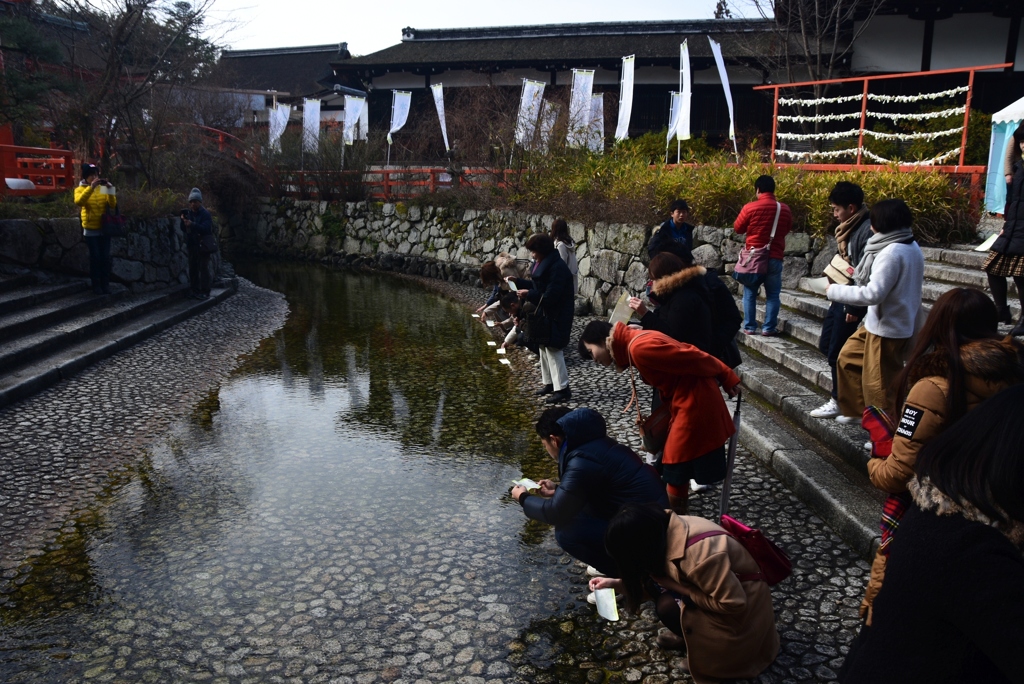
(567, 250)
(888, 281)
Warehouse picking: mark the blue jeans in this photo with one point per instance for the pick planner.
(99, 262)
(583, 539)
(772, 281)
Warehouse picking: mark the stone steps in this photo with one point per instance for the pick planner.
(50, 328)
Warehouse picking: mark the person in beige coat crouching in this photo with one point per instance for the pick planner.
(706, 589)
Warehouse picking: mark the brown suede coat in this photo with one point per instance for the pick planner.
(730, 632)
(990, 365)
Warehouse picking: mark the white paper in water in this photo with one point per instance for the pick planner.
(817, 285)
(475, 315)
(987, 244)
(501, 351)
(505, 361)
(490, 324)
(622, 312)
(491, 343)
(606, 607)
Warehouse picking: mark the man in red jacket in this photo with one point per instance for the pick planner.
(756, 220)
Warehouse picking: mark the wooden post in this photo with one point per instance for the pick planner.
(967, 116)
(775, 123)
(863, 121)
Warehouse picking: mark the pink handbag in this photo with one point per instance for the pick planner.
(755, 259)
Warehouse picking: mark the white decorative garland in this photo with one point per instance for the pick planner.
(918, 117)
(928, 162)
(917, 98)
(819, 136)
(820, 101)
(913, 136)
(827, 155)
(822, 117)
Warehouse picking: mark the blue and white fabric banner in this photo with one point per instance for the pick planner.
(625, 98)
(529, 111)
(674, 111)
(311, 125)
(686, 92)
(401, 100)
(548, 118)
(438, 90)
(364, 122)
(595, 131)
(276, 123)
(580, 107)
(716, 49)
(353, 112)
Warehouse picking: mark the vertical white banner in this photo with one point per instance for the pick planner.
(580, 107)
(353, 112)
(438, 90)
(674, 106)
(625, 98)
(529, 110)
(277, 122)
(310, 125)
(548, 119)
(364, 122)
(716, 49)
(401, 100)
(595, 135)
(686, 90)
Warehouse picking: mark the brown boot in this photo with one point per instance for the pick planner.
(670, 641)
(679, 505)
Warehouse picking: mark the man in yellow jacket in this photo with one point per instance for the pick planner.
(94, 196)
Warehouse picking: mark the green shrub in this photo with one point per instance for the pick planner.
(134, 204)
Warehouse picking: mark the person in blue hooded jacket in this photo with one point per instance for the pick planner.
(597, 476)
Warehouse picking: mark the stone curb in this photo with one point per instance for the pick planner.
(51, 370)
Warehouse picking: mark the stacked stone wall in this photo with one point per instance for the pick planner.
(152, 255)
(442, 243)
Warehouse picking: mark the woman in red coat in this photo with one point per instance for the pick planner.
(689, 381)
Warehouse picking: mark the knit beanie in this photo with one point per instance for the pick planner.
(195, 195)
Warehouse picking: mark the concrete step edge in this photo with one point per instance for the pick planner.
(48, 371)
(23, 298)
(28, 321)
(16, 281)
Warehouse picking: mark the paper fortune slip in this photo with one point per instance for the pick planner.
(505, 361)
(491, 343)
(987, 244)
(526, 482)
(817, 285)
(500, 350)
(476, 315)
(606, 607)
(512, 286)
(490, 324)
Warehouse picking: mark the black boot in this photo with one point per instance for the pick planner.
(998, 286)
(546, 389)
(1004, 315)
(1019, 330)
(560, 396)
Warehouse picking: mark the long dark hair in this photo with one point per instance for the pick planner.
(959, 316)
(978, 460)
(635, 539)
(560, 231)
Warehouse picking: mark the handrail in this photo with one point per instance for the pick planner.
(48, 169)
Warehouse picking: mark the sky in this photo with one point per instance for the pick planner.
(371, 25)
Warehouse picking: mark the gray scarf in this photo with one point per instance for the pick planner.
(876, 243)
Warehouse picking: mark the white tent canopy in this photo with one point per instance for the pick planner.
(1004, 123)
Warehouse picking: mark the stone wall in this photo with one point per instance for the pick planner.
(442, 243)
(152, 256)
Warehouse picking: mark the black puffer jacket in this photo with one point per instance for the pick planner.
(1012, 240)
(598, 475)
(552, 280)
(684, 309)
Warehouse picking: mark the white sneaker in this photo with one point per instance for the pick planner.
(594, 572)
(847, 420)
(698, 488)
(829, 409)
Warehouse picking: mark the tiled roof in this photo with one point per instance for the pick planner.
(293, 70)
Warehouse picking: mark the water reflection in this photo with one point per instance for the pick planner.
(336, 507)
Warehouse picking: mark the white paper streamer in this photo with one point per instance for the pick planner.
(918, 98)
(625, 98)
(821, 117)
(716, 49)
(686, 93)
(438, 91)
(914, 136)
(820, 101)
(595, 136)
(311, 125)
(529, 110)
(580, 107)
(278, 121)
(928, 162)
(353, 111)
(548, 119)
(893, 116)
(825, 155)
(401, 100)
(820, 136)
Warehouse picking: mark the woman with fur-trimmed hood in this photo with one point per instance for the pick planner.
(683, 311)
(959, 361)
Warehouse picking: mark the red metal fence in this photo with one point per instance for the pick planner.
(49, 170)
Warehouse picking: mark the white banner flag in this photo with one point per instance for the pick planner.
(625, 98)
(674, 107)
(716, 49)
(277, 122)
(310, 125)
(364, 122)
(529, 110)
(580, 107)
(438, 91)
(548, 119)
(595, 138)
(401, 100)
(353, 111)
(683, 129)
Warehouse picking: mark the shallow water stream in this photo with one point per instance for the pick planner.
(336, 511)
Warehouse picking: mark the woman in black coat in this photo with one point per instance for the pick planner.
(952, 606)
(552, 292)
(1006, 258)
(684, 303)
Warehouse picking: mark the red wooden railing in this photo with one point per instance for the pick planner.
(49, 170)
